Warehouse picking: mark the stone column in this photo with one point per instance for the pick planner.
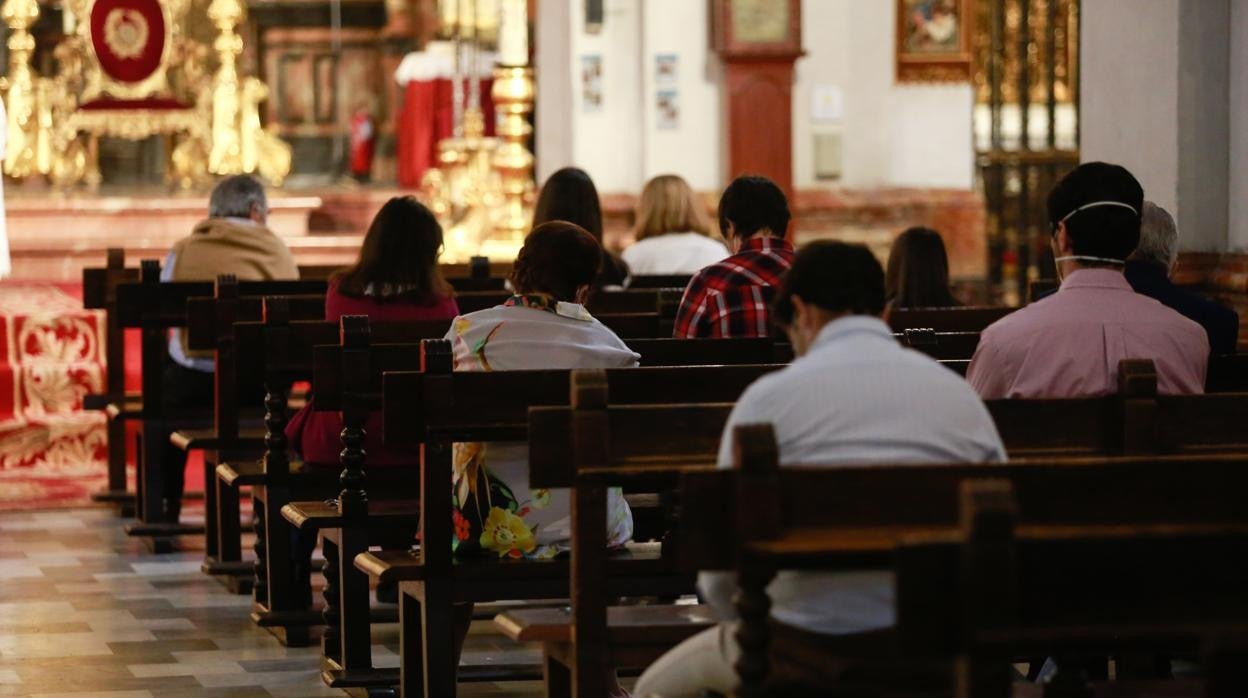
(1156, 90)
(1238, 193)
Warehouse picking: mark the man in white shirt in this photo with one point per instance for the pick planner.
(853, 395)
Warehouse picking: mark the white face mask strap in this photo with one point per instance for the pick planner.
(1087, 258)
(1098, 204)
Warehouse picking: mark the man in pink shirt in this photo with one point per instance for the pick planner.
(1069, 344)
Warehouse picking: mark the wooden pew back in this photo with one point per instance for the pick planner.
(963, 319)
(1082, 577)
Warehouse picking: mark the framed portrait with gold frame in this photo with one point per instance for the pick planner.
(934, 40)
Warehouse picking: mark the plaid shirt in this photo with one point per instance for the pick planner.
(733, 298)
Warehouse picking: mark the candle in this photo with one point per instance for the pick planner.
(448, 16)
(474, 70)
(513, 33)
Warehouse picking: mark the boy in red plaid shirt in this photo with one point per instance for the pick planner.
(732, 298)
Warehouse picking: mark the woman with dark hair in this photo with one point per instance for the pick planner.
(570, 195)
(396, 277)
(918, 271)
(543, 326)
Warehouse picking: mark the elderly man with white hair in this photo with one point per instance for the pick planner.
(1148, 271)
(233, 239)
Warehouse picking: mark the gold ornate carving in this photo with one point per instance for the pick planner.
(218, 132)
(1065, 49)
(23, 125)
(126, 32)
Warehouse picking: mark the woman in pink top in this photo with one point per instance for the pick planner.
(396, 278)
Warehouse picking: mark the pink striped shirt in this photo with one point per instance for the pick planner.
(1069, 344)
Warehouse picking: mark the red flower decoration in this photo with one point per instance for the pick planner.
(462, 527)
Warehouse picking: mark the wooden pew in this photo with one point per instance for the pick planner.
(347, 660)
(279, 352)
(856, 518)
(437, 408)
(287, 350)
(961, 319)
(155, 307)
(627, 443)
(1110, 582)
(209, 327)
(676, 281)
(236, 431)
(589, 447)
(99, 291)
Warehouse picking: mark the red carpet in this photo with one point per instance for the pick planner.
(52, 453)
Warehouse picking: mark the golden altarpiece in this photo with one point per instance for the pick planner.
(128, 69)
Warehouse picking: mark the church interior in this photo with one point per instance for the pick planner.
(896, 341)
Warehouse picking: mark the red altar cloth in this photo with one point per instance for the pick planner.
(426, 118)
(51, 355)
(427, 113)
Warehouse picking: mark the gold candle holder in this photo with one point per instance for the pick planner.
(23, 127)
(513, 94)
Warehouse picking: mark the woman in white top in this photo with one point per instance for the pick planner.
(543, 326)
(673, 234)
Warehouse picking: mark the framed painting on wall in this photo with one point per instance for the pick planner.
(934, 40)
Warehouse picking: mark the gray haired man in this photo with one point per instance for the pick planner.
(1148, 271)
(233, 239)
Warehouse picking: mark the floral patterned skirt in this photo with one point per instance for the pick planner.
(495, 510)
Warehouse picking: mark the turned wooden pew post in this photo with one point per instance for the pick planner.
(1223, 660)
(437, 675)
(590, 449)
(1142, 429)
(151, 475)
(219, 510)
(272, 534)
(115, 376)
(989, 597)
(479, 268)
(351, 639)
(757, 498)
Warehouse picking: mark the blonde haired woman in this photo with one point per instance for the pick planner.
(673, 233)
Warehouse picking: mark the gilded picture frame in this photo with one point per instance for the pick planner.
(935, 40)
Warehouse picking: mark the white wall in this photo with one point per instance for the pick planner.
(892, 135)
(1130, 91)
(1237, 235)
(1204, 121)
(556, 130)
(607, 142)
(1158, 100)
(693, 150)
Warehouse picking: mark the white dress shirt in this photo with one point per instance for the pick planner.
(673, 253)
(857, 397)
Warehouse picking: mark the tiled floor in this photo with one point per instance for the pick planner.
(84, 610)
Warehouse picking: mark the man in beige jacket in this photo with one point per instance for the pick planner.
(234, 239)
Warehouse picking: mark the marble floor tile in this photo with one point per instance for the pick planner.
(87, 611)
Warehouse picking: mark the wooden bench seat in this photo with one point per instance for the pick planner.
(206, 439)
(313, 516)
(664, 625)
(636, 560)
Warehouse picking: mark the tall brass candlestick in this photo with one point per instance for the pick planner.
(513, 94)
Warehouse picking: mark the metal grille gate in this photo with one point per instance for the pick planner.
(1026, 129)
